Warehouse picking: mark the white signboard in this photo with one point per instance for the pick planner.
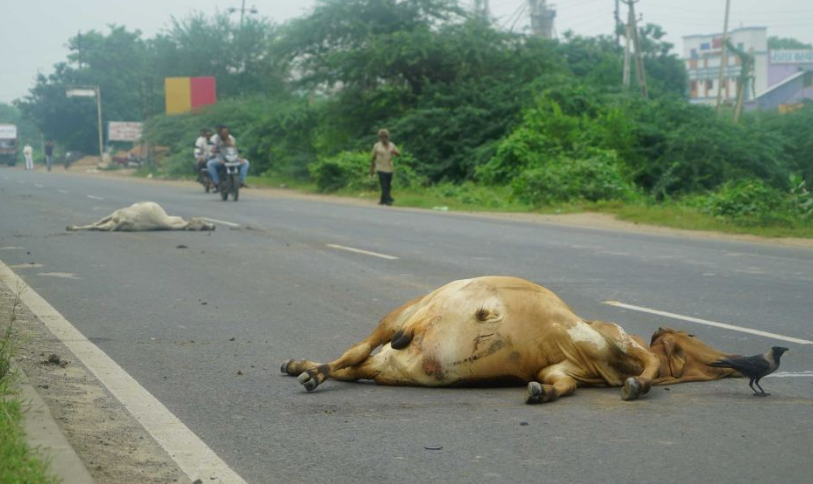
(792, 57)
(80, 92)
(124, 131)
(8, 131)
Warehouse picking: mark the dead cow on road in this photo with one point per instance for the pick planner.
(142, 217)
(493, 329)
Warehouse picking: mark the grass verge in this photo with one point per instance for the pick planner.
(472, 198)
(19, 463)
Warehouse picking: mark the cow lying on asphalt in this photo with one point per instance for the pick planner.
(142, 217)
(498, 329)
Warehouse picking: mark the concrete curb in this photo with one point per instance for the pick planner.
(45, 435)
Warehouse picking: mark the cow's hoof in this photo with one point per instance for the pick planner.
(284, 367)
(310, 382)
(631, 390)
(539, 393)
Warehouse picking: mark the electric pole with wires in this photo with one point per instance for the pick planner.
(632, 38)
(481, 9)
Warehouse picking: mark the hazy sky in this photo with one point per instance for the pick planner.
(34, 32)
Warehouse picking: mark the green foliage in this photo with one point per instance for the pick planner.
(591, 179)
(349, 170)
(779, 43)
(747, 202)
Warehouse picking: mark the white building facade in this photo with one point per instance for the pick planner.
(703, 57)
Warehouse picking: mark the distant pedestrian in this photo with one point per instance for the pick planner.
(49, 153)
(28, 153)
(381, 163)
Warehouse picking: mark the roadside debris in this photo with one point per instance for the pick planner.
(181, 247)
(433, 448)
(55, 360)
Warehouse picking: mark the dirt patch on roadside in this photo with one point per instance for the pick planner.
(592, 220)
(111, 443)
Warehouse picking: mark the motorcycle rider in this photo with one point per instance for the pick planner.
(202, 150)
(220, 140)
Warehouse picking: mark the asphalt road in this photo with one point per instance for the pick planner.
(275, 285)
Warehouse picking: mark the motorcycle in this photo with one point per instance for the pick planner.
(204, 178)
(229, 171)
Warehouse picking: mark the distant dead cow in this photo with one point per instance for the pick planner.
(493, 329)
(143, 217)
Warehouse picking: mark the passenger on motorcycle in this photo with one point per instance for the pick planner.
(222, 139)
(202, 150)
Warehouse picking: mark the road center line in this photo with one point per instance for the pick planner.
(791, 374)
(63, 191)
(709, 323)
(223, 222)
(94, 197)
(360, 251)
(191, 454)
(38, 185)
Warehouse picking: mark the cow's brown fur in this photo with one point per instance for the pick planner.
(504, 328)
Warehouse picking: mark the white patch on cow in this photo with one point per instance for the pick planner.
(61, 275)
(582, 332)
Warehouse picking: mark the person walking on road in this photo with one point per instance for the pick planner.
(49, 153)
(381, 163)
(28, 153)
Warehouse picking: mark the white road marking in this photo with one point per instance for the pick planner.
(360, 251)
(791, 374)
(191, 454)
(710, 323)
(94, 197)
(63, 191)
(38, 185)
(223, 222)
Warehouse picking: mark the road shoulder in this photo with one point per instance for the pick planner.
(111, 444)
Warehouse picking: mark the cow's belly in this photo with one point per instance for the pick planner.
(427, 368)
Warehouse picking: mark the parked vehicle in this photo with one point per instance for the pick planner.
(8, 144)
(229, 174)
(71, 156)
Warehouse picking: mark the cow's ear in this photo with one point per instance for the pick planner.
(675, 356)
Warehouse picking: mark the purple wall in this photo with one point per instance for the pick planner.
(779, 72)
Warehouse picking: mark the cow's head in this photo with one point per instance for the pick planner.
(196, 223)
(685, 358)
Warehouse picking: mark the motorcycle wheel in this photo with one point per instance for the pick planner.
(225, 189)
(235, 183)
(207, 186)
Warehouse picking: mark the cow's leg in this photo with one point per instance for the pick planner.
(103, 224)
(637, 386)
(388, 330)
(555, 383)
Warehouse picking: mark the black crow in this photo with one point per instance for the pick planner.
(754, 367)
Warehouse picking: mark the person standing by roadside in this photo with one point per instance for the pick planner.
(202, 151)
(381, 163)
(28, 153)
(49, 153)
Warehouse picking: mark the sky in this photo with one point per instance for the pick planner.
(35, 32)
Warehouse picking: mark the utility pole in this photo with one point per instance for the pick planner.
(723, 57)
(627, 43)
(481, 9)
(632, 36)
(541, 18)
(242, 10)
(617, 14)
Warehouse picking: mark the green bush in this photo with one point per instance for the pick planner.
(598, 177)
(748, 201)
(349, 170)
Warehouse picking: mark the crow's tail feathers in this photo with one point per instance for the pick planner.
(724, 363)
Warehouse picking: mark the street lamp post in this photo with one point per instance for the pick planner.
(91, 91)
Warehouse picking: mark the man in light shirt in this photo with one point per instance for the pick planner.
(28, 153)
(202, 150)
(381, 163)
(220, 140)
